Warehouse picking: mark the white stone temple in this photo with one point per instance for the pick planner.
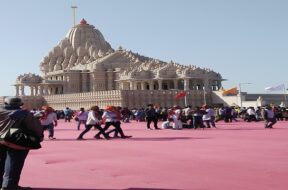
(83, 69)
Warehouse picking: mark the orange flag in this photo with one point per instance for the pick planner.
(231, 91)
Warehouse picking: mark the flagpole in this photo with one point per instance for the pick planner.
(285, 98)
(185, 100)
(204, 95)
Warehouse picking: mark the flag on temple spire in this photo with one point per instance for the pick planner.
(275, 88)
(180, 95)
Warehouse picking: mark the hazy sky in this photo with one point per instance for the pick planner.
(243, 40)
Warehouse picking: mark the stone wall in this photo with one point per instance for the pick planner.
(125, 98)
(86, 99)
(163, 98)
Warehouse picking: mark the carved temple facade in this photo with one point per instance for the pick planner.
(84, 62)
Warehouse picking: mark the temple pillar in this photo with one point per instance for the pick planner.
(192, 84)
(151, 84)
(84, 84)
(40, 90)
(110, 79)
(31, 91)
(121, 85)
(22, 87)
(186, 84)
(142, 85)
(132, 85)
(36, 90)
(159, 84)
(206, 84)
(17, 90)
(46, 90)
(175, 83)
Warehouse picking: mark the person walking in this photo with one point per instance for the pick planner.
(49, 121)
(12, 160)
(93, 121)
(81, 116)
(111, 116)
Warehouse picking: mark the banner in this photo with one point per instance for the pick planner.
(180, 95)
(275, 88)
(231, 91)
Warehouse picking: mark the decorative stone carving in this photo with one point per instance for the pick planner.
(29, 78)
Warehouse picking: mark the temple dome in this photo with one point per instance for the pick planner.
(85, 35)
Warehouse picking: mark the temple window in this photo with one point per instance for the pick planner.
(181, 84)
(165, 86)
(147, 86)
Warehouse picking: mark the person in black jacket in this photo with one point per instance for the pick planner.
(151, 116)
(11, 158)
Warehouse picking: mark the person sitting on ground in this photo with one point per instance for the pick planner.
(139, 115)
(166, 124)
(175, 114)
(269, 117)
(250, 114)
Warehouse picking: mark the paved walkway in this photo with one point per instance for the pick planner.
(235, 156)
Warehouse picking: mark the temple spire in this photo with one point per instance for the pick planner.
(74, 14)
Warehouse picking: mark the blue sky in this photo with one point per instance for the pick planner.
(243, 40)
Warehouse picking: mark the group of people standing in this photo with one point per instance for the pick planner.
(204, 117)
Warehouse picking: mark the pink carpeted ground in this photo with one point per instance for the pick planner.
(236, 156)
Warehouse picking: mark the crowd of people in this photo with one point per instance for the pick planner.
(175, 118)
(45, 119)
(171, 118)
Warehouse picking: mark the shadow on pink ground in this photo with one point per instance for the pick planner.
(98, 189)
(235, 156)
